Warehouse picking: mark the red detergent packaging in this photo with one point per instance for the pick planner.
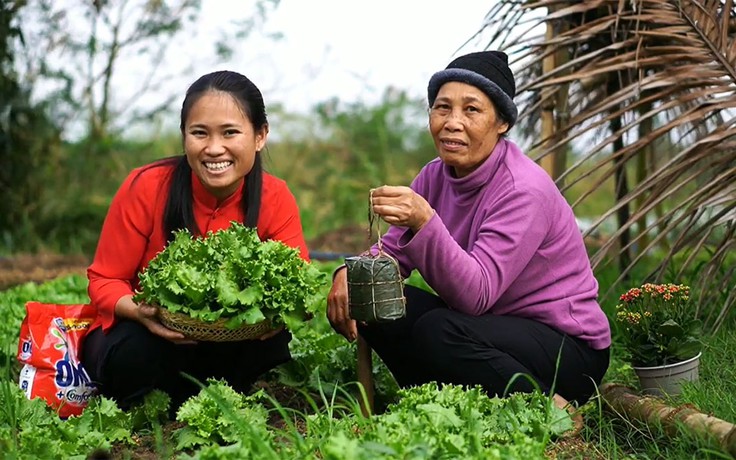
(50, 341)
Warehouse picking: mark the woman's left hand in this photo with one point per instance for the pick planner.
(401, 206)
(271, 333)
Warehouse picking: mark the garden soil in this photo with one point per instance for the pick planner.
(23, 268)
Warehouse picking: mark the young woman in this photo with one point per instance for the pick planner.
(219, 179)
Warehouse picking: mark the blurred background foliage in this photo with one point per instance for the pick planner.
(65, 150)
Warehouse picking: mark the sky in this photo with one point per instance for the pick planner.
(349, 49)
(300, 53)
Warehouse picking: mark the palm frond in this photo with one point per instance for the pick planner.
(646, 84)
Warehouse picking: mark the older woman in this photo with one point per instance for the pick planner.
(490, 232)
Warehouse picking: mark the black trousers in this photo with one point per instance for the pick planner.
(128, 361)
(434, 343)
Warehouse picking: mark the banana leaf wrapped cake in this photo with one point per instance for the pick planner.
(375, 288)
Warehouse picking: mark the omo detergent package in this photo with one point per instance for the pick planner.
(50, 340)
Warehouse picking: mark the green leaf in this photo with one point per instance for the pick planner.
(251, 295)
(227, 289)
(686, 349)
(670, 328)
(251, 315)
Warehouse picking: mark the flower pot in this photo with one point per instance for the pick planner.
(666, 380)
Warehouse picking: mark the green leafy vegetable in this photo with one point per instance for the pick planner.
(218, 414)
(231, 274)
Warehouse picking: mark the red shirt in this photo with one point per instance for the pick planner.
(133, 232)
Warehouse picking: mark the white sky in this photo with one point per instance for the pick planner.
(349, 49)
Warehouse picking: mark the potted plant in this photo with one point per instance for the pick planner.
(661, 334)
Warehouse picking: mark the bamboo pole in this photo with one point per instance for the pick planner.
(652, 410)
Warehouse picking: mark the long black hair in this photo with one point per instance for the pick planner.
(179, 212)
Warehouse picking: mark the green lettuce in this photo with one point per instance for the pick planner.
(231, 274)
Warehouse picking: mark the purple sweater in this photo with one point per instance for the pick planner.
(504, 241)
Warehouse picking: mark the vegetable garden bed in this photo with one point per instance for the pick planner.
(308, 408)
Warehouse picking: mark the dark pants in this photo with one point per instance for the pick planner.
(434, 343)
(128, 361)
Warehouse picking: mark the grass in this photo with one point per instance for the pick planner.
(612, 436)
(716, 390)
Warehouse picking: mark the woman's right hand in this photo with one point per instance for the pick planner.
(337, 306)
(147, 315)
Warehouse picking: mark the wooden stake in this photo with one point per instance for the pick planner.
(365, 375)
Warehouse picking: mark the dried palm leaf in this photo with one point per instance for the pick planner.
(650, 86)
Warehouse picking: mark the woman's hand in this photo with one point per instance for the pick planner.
(271, 333)
(401, 206)
(147, 315)
(337, 306)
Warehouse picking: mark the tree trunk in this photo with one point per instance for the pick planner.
(642, 171)
(622, 186)
(554, 109)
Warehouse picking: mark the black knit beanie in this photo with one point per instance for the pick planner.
(488, 71)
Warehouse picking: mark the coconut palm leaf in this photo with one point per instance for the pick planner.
(645, 91)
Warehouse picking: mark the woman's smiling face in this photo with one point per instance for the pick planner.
(465, 126)
(221, 143)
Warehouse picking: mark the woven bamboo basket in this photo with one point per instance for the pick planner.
(212, 332)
